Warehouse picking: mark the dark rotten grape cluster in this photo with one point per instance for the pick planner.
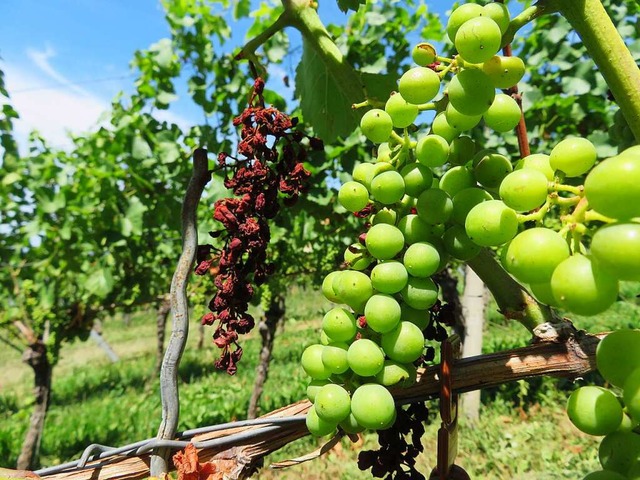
(269, 173)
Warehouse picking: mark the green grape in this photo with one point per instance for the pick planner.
(339, 324)
(385, 215)
(353, 196)
(373, 406)
(324, 339)
(432, 151)
(419, 85)
(404, 343)
(618, 451)
(434, 206)
(456, 179)
(491, 223)
(421, 259)
(460, 121)
(503, 114)
(365, 358)
(376, 125)
(616, 248)
(394, 373)
(465, 200)
(312, 362)
(524, 189)
(364, 172)
(317, 426)
(537, 161)
(416, 230)
(334, 357)
(543, 293)
(478, 39)
(458, 244)
(358, 259)
(420, 318)
(350, 425)
(627, 424)
(574, 156)
(402, 113)
(581, 288)
(631, 394)
(612, 186)
(353, 288)
(617, 355)
(314, 387)
(333, 403)
(389, 277)
(328, 289)
(504, 72)
(387, 187)
(420, 293)
(605, 475)
(382, 313)
(490, 168)
(471, 92)
(384, 241)
(534, 254)
(441, 128)
(460, 15)
(594, 410)
(417, 178)
(499, 13)
(384, 153)
(423, 54)
(461, 150)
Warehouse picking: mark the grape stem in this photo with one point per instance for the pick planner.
(608, 50)
(427, 106)
(249, 49)
(593, 216)
(538, 215)
(513, 300)
(528, 15)
(560, 187)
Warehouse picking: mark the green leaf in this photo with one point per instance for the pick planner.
(140, 148)
(242, 9)
(168, 152)
(346, 5)
(99, 283)
(166, 97)
(10, 178)
(379, 86)
(163, 50)
(323, 104)
(132, 223)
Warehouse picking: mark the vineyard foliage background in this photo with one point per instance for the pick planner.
(93, 231)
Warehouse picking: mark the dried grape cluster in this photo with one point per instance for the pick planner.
(268, 174)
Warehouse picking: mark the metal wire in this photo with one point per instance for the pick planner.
(268, 425)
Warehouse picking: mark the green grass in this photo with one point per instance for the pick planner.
(523, 431)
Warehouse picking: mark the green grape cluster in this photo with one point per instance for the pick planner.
(433, 195)
(613, 413)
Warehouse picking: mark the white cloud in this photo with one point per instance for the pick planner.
(55, 111)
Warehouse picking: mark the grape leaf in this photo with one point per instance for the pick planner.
(346, 5)
(323, 103)
(100, 282)
(379, 86)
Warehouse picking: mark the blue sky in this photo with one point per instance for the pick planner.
(64, 60)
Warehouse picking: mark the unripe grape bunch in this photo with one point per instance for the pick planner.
(432, 196)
